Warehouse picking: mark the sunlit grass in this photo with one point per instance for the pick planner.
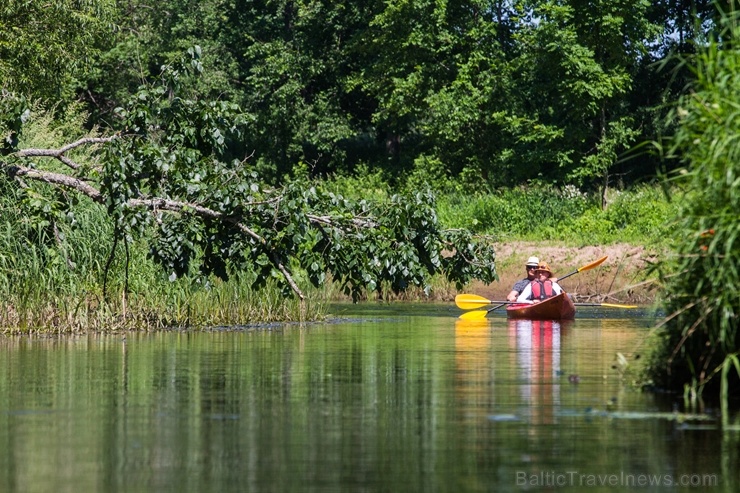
(641, 215)
(163, 307)
(55, 286)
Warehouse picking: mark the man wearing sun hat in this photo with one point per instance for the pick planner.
(519, 286)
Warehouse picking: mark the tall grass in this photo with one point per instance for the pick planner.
(53, 266)
(48, 287)
(698, 343)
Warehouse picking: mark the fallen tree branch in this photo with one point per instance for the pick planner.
(154, 204)
(60, 153)
(57, 179)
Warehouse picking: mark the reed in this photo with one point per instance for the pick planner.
(163, 305)
(698, 341)
(53, 283)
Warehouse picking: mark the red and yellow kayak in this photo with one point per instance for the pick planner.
(558, 307)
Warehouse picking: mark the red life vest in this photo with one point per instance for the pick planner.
(541, 290)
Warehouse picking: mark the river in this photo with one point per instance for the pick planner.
(391, 398)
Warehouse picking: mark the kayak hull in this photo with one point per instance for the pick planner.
(558, 307)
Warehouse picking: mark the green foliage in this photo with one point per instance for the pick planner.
(519, 212)
(701, 329)
(481, 89)
(460, 97)
(170, 180)
(590, 228)
(148, 34)
(429, 172)
(582, 66)
(54, 251)
(644, 212)
(640, 215)
(46, 47)
(364, 184)
(14, 113)
(293, 59)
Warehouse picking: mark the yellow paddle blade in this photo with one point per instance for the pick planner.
(471, 301)
(593, 264)
(476, 315)
(585, 267)
(610, 305)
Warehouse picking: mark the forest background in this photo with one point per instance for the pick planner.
(519, 116)
(187, 162)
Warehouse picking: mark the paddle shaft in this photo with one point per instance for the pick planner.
(497, 306)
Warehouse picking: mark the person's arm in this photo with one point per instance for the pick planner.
(525, 294)
(556, 289)
(517, 289)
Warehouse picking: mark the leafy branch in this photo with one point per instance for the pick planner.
(172, 174)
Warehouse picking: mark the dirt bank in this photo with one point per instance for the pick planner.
(621, 278)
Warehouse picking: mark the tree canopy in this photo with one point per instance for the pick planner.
(507, 91)
(212, 122)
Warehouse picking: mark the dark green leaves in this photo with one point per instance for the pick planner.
(173, 170)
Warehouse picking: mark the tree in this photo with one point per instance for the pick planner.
(46, 47)
(149, 34)
(172, 171)
(584, 57)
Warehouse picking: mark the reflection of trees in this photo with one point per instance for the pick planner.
(401, 407)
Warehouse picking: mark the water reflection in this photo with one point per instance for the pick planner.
(402, 403)
(474, 373)
(538, 360)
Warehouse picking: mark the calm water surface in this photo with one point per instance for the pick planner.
(398, 398)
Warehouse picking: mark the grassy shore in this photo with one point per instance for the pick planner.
(54, 277)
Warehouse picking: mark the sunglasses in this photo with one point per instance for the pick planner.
(530, 267)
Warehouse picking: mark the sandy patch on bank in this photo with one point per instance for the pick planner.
(622, 278)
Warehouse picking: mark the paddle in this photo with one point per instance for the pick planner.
(585, 267)
(606, 305)
(479, 314)
(472, 301)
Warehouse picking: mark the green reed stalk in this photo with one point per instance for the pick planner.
(48, 286)
(700, 335)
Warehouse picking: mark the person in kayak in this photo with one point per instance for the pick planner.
(519, 286)
(540, 288)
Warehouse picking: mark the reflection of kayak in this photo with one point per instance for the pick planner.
(558, 307)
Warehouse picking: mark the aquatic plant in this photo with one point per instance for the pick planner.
(699, 337)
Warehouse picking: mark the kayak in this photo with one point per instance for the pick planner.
(558, 307)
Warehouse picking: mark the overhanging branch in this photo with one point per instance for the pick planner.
(154, 204)
(60, 153)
